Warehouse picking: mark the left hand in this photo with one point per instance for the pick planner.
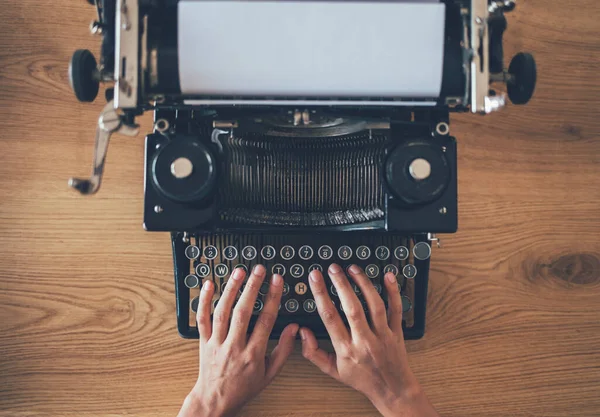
(234, 368)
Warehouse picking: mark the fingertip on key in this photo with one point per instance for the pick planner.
(355, 269)
(207, 285)
(277, 280)
(391, 278)
(315, 276)
(335, 269)
(259, 270)
(238, 274)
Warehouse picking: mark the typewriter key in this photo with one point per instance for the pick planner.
(401, 253)
(345, 252)
(191, 281)
(264, 288)
(278, 269)
(301, 288)
(306, 252)
(409, 271)
(258, 306)
(297, 270)
(422, 251)
(268, 252)
(309, 306)
(372, 271)
(292, 305)
(194, 304)
(382, 253)
(230, 253)
(325, 252)
(378, 288)
(249, 253)
(334, 290)
(192, 252)
(221, 270)
(210, 252)
(406, 304)
(315, 266)
(202, 270)
(286, 288)
(241, 266)
(287, 252)
(391, 268)
(363, 252)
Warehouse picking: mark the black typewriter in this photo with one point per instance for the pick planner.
(290, 135)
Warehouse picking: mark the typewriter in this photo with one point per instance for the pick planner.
(296, 134)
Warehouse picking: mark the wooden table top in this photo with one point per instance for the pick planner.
(87, 322)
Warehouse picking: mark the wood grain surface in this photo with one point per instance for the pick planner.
(87, 321)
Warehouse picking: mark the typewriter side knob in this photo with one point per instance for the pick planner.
(184, 171)
(83, 77)
(417, 172)
(523, 77)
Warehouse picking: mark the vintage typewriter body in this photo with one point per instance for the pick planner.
(298, 133)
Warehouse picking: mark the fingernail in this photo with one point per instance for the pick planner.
(355, 269)
(238, 274)
(335, 269)
(206, 285)
(296, 330)
(259, 270)
(276, 280)
(391, 278)
(314, 276)
(302, 334)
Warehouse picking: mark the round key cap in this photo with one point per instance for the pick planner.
(268, 252)
(345, 252)
(301, 288)
(258, 306)
(210, 252)
(264, 288)
(363, 252)
(278, 269)
(287, 252)
(356, 289)
(230, 253)
(297, 270)
(422, 251)
(221, 270)
(194, 304)
(315, 266)
(202, 270)
(242, 266)
(325, 252)
(191, 281)
(192, 252)
(249, 253)
(378, 288)
(292, 305)
(309, 305)
(409, 271)
(286, 288)
(333, 290)
(372, 271)
(306, 252)
(406, 304)
(391, 268)
(382, 253)
(401, 253)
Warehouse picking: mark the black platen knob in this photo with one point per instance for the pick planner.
(82, 76)
(523, 77)
(92, 2)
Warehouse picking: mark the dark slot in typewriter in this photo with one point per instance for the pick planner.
(286, 134)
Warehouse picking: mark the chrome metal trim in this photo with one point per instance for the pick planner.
(127, 59)
(480, 77)
(237, 102)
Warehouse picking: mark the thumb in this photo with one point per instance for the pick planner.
(282, 351)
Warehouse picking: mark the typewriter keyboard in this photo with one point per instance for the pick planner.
(215, 257)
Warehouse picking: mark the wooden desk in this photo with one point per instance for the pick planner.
(87, 324)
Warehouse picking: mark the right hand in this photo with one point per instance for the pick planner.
(369, 357)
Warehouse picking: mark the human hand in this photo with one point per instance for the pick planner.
(234, 368)
(370, 357)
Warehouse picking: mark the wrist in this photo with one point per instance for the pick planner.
(410, 402)
(195, 406)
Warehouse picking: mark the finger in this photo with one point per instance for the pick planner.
(352, 307)
(222, 313)
(243, 310)
(203, 312)
(325, 361)
(329, 315)
(374, 301)
(266, 320)
(282, 351)
(394, 303)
